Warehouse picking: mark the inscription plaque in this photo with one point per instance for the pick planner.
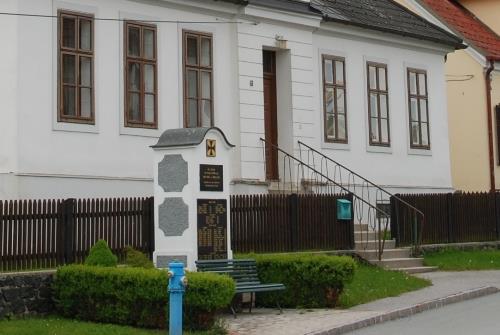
(211, 178)
(212, 229)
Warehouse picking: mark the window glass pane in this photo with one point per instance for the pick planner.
(339, 73)
(330, 126)
(374, 130)
(206, 113)
(372, 77)
(413, 83)
(381, 79)
(69, 32)
(134, 44)
(192, 51)
(340, 101)
(341, 127)
(328, 71)
(192, 84)
(206, 52)
(425, 134)
(149, 108)
(206, 85)
(383, 106)
(85, 35)
(134, 112)
(149, 44)
(414, 109)
(421, 84)
(415, 133)
(192, 113)
(373, 105)
(149, 78)
(329, 103)
(384, 125)
(69, 101)
(69, 69)
(85, 71)
(423, 110)
(134, 76)
(85, 102)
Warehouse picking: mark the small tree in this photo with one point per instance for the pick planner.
(136, 259)
(101, 255)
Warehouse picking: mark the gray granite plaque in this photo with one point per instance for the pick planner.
(173, 217)
(163, 261)
(173, 173)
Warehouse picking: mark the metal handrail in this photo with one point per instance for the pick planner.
(355, 196)
(408, 205)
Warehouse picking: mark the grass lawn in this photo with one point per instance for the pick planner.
(372, 283)
(457, 260)
(59, 326)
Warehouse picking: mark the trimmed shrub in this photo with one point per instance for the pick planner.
(100, 255)
(137, 297)
(137, 259)
(311, 280)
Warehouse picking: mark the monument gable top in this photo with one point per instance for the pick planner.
(186, 137)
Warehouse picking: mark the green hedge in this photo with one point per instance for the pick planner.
(137, 297)
(312, 280)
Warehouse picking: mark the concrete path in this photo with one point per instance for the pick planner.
(477, 316)
(448, 287)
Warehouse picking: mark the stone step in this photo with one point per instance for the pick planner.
(417, 269)
(361, 227)
(388, 254)
(365, 235)
(398, 263)
(373, 245)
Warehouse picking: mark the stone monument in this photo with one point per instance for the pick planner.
(191, 189)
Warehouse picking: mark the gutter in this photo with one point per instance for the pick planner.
(487, 78)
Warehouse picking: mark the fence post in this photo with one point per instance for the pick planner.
(395, 221)
(293, 202)
(449, 201)
(68, 228)
(497, 213)
(148, 221)
(352, 240)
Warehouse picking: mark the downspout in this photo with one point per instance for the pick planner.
(490, 124)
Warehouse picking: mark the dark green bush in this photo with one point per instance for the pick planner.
(311, 280)
(101, 255)
(137, 259)
(137, 297)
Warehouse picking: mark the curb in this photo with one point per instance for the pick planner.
(409, 311)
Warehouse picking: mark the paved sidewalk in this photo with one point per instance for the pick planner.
(449, 285)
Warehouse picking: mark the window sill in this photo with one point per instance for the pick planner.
(75, 127)
(379, 149)
(336, 146)
(419, 152)
(142, 132)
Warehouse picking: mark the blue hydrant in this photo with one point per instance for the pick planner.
(177, 283)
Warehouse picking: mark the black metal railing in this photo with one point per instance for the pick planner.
(367, 190)
(298, 176)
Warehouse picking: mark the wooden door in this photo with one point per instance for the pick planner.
(270, 114)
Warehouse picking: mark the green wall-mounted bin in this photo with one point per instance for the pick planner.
(344, 209)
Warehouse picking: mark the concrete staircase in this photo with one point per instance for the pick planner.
(366, 245)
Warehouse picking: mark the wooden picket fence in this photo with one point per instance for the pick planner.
(38, 234)
(285, 223)
(449, 218)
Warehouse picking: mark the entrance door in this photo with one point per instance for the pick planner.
(270, 114)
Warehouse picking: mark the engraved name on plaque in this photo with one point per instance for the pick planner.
(211, 178)
(212, 229)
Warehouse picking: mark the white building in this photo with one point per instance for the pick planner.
(77, 121)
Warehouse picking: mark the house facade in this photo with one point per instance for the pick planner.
(88, 86)
(473, 86)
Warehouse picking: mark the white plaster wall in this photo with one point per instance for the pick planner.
(52, 153)
(398, 165)
(8, 101)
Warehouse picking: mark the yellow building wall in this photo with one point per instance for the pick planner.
(495, 101)
(468, 123)
(487, 11)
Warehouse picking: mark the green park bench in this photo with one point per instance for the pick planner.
(244, 273)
